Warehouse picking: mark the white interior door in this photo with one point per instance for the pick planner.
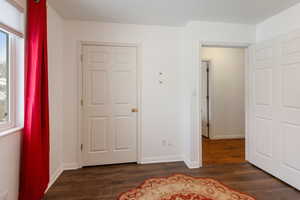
(110, 102)
(289, 109)
(275, 108)
(204, 106)
(263, 130)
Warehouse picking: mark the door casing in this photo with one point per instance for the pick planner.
(80, 92)
(198, 128)
(209, 92)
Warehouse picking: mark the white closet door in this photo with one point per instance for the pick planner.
(289, 110)
(110, 97)
(275, 108)
(263, 107)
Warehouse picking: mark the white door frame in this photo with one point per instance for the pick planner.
(198, 83)
(80, 92)
(210, 91)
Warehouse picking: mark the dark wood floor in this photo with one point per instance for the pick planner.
(107, 182)
(223, 151)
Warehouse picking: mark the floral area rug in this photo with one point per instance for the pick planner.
(183, 187)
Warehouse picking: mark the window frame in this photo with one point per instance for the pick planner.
(11, 121)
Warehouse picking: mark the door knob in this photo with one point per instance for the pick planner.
(134, 110)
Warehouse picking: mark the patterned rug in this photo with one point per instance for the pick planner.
(183, 187)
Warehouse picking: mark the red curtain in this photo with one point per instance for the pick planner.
(34, 176)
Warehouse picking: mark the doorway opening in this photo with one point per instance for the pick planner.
(223, 105)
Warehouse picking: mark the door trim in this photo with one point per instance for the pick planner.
(80, 97)
(210, 91)
(198, 133)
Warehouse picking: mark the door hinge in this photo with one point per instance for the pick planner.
(81, 102)
(208, 124)
(207, 70)
(81, 147)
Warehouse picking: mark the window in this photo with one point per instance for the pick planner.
(4, 77)
(7, 62)
(11, 68)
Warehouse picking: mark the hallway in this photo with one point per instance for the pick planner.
(228, 151)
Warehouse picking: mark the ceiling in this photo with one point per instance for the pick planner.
(170, 12)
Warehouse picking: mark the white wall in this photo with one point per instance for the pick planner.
(9, 15)
(174, 51)
(220, 32)
(280, 24)
(10, 162)
(227, 67)
(55, 67)
(194, 34)
(10, 141)
(10, 144)
(169, 111)
(161, 104)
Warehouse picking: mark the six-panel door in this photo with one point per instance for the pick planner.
(110, 94)
(275, 108)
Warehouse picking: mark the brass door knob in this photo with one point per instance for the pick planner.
(134, 110)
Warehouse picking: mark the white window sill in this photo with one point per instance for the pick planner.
(10, 131)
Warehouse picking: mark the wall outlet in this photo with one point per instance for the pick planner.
(4, 195)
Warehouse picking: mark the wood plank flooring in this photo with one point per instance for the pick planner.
(223, 151)
(107, 182)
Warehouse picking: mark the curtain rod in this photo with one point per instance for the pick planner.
(11, 30)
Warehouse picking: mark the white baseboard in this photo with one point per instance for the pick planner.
(70, 166)
(220, 137)
(54, 177)
(149, 160)
(191, 164)
(59, 171)
(161, 159)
